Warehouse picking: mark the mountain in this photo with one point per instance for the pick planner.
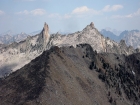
(9, 32)
(110, 34)
(92, 36)
(74, 76)
(114, 31)
(16, 55)
(20, 37)
(8, 38)
(131, 38)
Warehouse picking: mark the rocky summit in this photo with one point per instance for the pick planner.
(74, 76)
(92, 36)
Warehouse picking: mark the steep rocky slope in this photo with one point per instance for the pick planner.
(74, 76)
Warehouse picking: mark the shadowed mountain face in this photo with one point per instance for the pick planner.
(74, 76)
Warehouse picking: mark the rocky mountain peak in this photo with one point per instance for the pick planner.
(89, 27)
(92, 24)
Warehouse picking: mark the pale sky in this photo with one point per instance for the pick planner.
(68, 15)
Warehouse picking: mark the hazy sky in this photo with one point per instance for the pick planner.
(68, 15)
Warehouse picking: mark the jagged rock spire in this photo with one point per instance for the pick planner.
(46, 34)
(46, 27)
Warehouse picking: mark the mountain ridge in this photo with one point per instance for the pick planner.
(16, 55)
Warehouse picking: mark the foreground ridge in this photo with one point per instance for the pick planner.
(77, 76)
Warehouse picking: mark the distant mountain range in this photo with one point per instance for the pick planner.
(114, 31)
(110, 34)
(132, 38)
(9, 32)
(10, 37)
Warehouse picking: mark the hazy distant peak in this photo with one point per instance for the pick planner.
(114, 31)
